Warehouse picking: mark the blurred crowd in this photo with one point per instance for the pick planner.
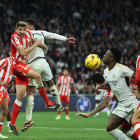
(96, 25)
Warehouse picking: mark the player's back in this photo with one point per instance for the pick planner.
(37, 52)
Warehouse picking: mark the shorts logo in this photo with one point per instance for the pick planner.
(83, 104)
(25, 68)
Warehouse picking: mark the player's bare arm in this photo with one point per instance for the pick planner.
(12, 87)
(102, 86)
(3, 83)
(75, 89)
(99, 108)
(24, 52)
(71, 40)
(57, 85)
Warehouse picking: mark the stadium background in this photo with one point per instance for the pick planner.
(97, 26)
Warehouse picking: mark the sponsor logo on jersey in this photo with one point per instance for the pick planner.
(25, 68)
(83, 104)
(113, 75)
(29, 36)
(112, 83)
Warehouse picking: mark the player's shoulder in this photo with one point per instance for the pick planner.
(15, 35)
(138, 59)
(120, 66)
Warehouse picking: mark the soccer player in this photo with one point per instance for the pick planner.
(21, 46)
(64, 85)
(108, 95)
(117, 78)
(36, 61)
(5, 78)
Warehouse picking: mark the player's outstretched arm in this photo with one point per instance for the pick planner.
(50, 35)
(24, 52)
(99, 108)
(3, 83)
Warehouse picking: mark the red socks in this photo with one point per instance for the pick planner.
(15, 112)
(66, 111)
(136, 126)
(1, 124)
(42, 93)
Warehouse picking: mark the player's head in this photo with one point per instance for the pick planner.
(65, 72)
(30, 23)
(97, 78)
(114, 54)
(21, 28)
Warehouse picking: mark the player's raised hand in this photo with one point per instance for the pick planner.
(83, 114)
(71, 40)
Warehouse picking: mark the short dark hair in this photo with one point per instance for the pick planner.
(117, 54)
(97, 78)
(31, 21)
(20, 23)
(65, 69)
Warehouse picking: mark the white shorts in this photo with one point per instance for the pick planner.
(41, 66)
(126, 111)
(98, 96)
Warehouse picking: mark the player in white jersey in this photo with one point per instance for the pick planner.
(117, 78)
(36, 61)
(108, 95)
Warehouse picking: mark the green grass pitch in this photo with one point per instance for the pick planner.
(47, 128)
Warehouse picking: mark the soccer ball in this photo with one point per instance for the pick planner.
(92, 61)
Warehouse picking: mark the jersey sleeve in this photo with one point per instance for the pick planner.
(49, 35)
(2, 63)
(58, 81)
(72, 81)
(15, 40)
(107, 93)
(127, 72)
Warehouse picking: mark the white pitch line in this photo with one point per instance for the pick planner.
(95, 129)
(67, 128)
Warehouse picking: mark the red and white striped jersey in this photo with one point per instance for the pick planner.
(65, 85)
(109, 93)
(5, 73)
(16, 40)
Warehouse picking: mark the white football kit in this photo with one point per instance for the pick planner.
(36, 58)
(118, 79)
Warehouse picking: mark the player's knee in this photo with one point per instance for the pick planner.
(109, 128)
(5, 112)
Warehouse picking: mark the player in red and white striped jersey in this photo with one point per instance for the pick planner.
(21, 46)
(5, 78)
(63, 85)
(108, 95)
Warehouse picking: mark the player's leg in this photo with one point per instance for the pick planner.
(29, 107)
(128, 130)
(108, 110)
(20, 94)
(47, 76)
(67, 111)
(4, 112)
(8, 116)
(113, 124)
(136, 122)
(59, 112)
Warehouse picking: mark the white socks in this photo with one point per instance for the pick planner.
(118, 134)
(55, 94)
(19, 103)
(29, 107)
(97, 114)
(108, 110)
